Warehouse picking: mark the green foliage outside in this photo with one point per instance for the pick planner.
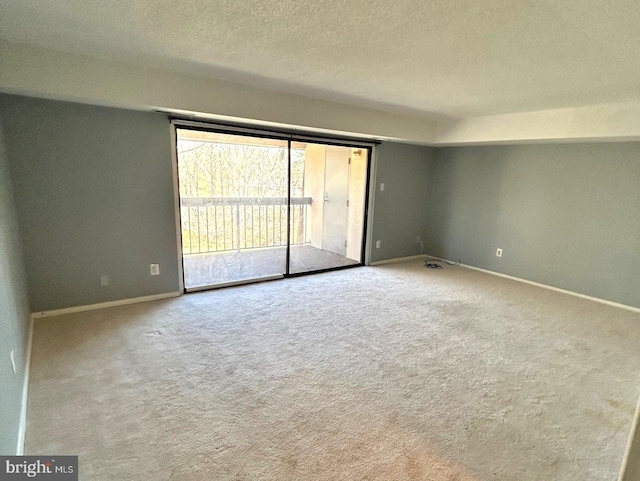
(213, 173)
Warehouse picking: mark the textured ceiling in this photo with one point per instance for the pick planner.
(447, 57)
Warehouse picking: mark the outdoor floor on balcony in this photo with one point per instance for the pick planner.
(231, 266)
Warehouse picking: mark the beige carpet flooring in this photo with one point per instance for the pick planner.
(387, 373)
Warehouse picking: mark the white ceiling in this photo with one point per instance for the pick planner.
(458, 58)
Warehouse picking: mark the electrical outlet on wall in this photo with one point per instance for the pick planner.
(499, 252)
(104, 281)
(154, 269)
(378, 244)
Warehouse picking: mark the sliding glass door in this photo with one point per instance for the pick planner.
(255, 208)
(233, 207)
(331, 181)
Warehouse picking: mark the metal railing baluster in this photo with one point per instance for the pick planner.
(230, 224)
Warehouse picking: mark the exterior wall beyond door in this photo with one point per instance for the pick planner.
(357, 194)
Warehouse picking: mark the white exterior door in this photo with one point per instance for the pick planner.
(336, 196)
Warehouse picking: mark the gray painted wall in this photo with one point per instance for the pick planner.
(94, 196)
(399, 213)
(566, 215)
(14, 316)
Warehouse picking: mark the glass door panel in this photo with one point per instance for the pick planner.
(328, 195)
(233, 207)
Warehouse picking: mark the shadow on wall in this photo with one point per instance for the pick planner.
(399, 211)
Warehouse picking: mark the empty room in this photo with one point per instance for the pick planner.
(289, 240)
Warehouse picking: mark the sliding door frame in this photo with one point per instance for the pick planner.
(365, 231)
(287, 263)
(289, 136)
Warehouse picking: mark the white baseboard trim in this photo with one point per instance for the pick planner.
(397, 259)
(103, 305)
(546, 286)
(630, 444)
(22, 428)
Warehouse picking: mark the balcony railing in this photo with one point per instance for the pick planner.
(218, 224)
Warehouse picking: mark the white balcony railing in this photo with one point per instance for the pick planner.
(217, 224)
